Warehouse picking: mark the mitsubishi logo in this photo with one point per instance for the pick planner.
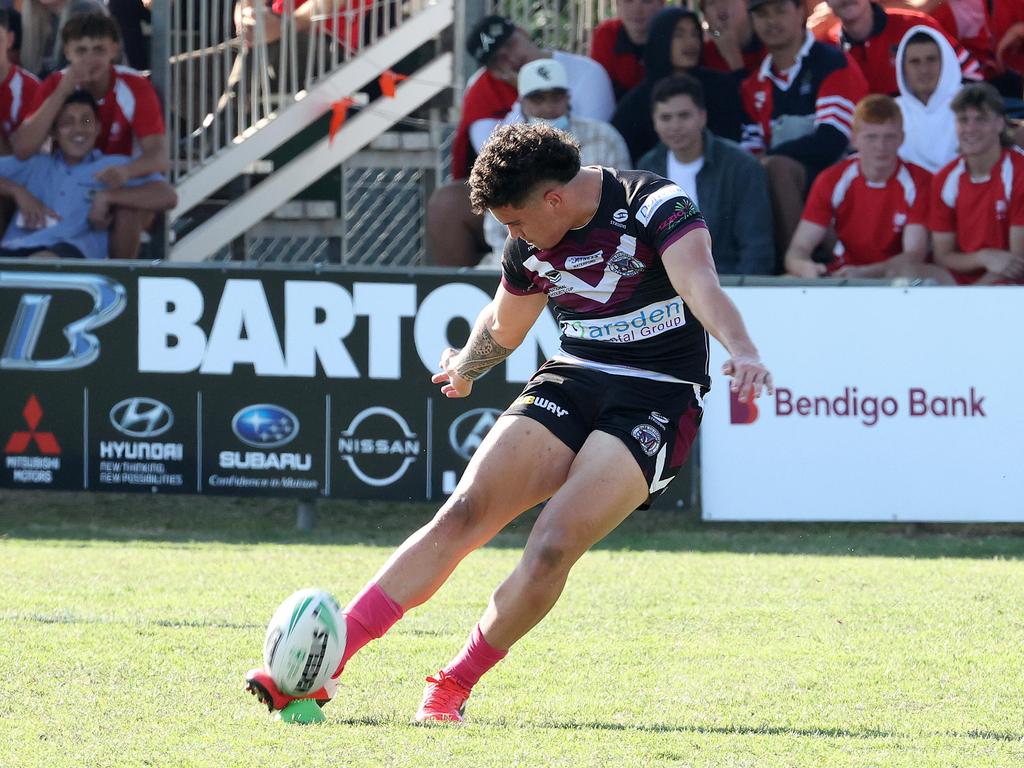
(45, 441)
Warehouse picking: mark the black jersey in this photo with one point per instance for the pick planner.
(612, 297)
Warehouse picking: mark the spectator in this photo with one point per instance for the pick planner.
(929, 77)
(727, 184)
(17, 87)
(968, 22)
(502, 48)
(870, 33)
(131, 15)
(64, 209)
(618, 44)
(455, 233)
(877, 204)
(732, 45)
(42, 21)
(351, 21)
(1008, 33)
(14, 27)
(674, 47)
(544, 97)
(800, 106)
(977, 214)
(129, 115)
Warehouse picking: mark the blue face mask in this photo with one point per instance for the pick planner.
(561, 123)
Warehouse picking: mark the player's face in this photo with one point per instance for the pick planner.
(978, 130)
(922, 66)
(546, 104)
(849, 10)
(540, 222)
(512, 55)
(779, 24)
(636, 17)
(75, 131)
(679, 122)
(878, 143)
(95, 54)
(686, 45)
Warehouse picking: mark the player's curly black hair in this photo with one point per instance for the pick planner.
(515, 159)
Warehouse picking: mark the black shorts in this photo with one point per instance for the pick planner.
(656, 420)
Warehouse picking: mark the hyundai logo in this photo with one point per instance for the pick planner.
(265, 425)
(141, 417)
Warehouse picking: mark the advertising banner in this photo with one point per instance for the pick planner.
(891, 404)
(237, 380)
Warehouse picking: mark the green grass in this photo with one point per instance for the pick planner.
(127, 622)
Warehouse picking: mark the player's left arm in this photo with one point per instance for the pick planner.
(691, 269)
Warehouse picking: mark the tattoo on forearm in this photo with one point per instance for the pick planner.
(480, 354)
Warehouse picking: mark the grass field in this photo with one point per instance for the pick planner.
(127, 623)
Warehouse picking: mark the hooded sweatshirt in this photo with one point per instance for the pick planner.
(632, 116)
(930, 129)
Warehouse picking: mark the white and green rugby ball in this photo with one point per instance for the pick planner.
(305, 642)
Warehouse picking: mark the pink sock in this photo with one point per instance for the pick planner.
(475, 658)
(370, 614)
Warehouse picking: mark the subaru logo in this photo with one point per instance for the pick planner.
(141, 417)
(468, 431)
(265, 425)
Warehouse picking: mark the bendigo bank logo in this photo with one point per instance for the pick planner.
(20, 441)
(741, 412)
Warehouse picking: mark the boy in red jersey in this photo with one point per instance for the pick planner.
(618, 44)
(131, 122)
(17, 87)
(871, 34)
(877, 203)
(977, 213)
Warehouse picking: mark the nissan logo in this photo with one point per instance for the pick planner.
(141, 417)
(265, 425)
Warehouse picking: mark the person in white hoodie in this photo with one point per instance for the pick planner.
(928, 75)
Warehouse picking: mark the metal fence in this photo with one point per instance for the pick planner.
(231, 65)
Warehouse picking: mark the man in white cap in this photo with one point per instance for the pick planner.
(544, 98)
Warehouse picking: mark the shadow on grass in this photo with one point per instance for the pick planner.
(185, 520)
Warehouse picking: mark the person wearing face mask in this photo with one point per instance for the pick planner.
(928, 75)
(544, 98)
(454, 232)
(674, 47)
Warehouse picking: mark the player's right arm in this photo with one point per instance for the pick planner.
(499, 328)
(807, 237)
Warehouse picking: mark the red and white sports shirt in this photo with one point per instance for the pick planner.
(869, 217)
(17, 93)
(129, 111)
(979, 212)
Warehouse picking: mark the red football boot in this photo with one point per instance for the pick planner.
(444, 699)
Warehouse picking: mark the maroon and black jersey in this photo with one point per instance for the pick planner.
(612, 297)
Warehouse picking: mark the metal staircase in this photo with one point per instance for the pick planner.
(237, 92)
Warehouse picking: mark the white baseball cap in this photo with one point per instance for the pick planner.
(542, 75)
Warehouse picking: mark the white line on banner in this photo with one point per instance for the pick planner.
(85, 438)
(430, 445)
(199, 442)
(327, 447)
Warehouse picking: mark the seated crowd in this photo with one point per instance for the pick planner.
(850, 138)
(83, 151)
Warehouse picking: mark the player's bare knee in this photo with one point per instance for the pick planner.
(459, 517)
(553, 554)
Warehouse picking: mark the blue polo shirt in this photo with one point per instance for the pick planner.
(67, 190)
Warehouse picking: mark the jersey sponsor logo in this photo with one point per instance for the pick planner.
(582, 262)
(648, 437)
(655, 201)
(644, 323)
(544, 404)
(619, 217)
(1000, 210)
(899, 221)
(625, 265)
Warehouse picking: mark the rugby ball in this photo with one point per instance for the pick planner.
(305, 642)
